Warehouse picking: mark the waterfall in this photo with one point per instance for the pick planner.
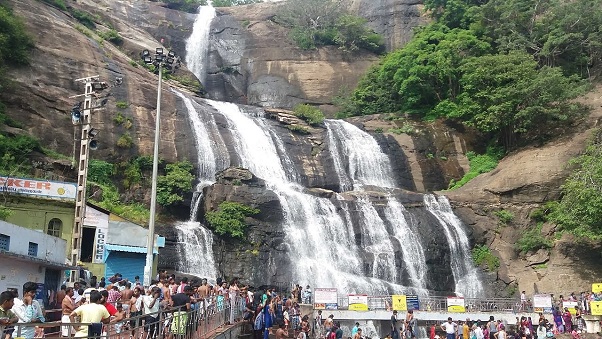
(197, 44)
(367, 164)
(195, 250)
(409, 243)
(193, 237)
(465, 274)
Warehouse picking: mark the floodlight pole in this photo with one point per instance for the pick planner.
(82, 175)
(150, 243)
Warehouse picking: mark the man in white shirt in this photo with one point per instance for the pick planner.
(450, 328)
(523, 301)
(27, 310)
(151, 316)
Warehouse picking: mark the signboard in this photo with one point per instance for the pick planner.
(596, 307)
(325, 299)
(597, 287)
(400, 303)
(455, 305)
(100, 220)
(571, 306)
(542, 303)
(39, 188)
(413, 303)
(358, 302)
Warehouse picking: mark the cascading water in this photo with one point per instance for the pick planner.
(465, 275)
(197, 44)
(320, 235)
(212, 156)
(409, 243)
(367, 164)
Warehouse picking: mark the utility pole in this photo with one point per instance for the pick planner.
(84, 113)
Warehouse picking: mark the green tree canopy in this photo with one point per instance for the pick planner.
(230, 218)
(176, 182)
(507, 94)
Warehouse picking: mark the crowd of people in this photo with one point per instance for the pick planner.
(119, 308)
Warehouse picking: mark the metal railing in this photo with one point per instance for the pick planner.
(202, 321)
(439, 304)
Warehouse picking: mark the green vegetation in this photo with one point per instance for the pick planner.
(122, 104)
(112, 36)
(125, 141)
(175, 183)
(119, 118)
(541, 267)
(84, 30)
(230, 3)
(509, 69)
(406, 128)
(505, 216)
(189, 82)
(229, 219)
(190, 6)
(133, 171)
(5, 212)
(579, 209)
(298, 129)
(84, 18)
(478, 164)
(309, 113)
(316, 23)
(57, 3)
(482, 256)
(532, 240)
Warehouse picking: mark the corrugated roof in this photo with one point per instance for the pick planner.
(129, 249)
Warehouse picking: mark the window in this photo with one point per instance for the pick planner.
(4, 242)
(54, 227)
(33, 249)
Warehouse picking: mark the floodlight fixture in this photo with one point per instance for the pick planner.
(145, 53)
(171, 54)
(159, 51)
(148, 60)
(93, 132)
(76, 116)
(93, 145)
(99, 86)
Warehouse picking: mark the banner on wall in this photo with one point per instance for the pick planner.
(325, 299)
(455, 305)
(400, 302)
(542, 303)
(597, 287)
(39, 188)
(358, 302)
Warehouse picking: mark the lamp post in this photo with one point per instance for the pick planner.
(169, 61)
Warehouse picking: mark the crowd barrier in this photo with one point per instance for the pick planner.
(172, 323)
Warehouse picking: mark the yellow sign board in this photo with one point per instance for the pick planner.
(358, 302)
(399, 303)
(455, 305)
(597, 288)
(596, 307)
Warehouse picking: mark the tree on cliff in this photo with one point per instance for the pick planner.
(317, 23)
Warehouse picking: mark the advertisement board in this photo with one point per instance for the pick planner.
(455, 305)
(597, 287)
(412, 302)
(38, 188)
(596, 307)
(400, 302)
(325, 299)
(358, 302)
(542, 303)
(571, 306)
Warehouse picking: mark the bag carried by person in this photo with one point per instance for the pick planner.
(259, 321)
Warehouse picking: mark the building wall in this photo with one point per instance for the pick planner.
(50, 248)
(35, 214)
(13, 274)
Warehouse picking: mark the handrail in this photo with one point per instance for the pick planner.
(199, 322)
